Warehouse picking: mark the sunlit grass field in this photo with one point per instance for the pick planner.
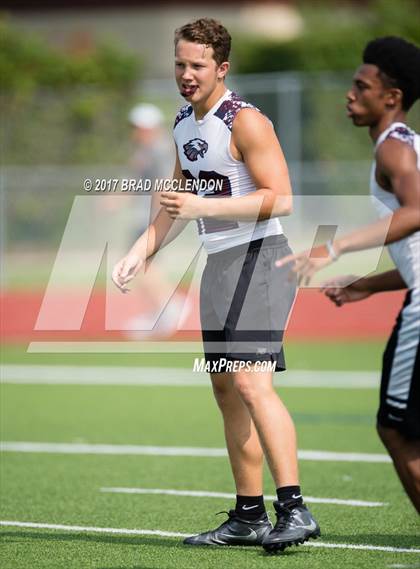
(65, 491)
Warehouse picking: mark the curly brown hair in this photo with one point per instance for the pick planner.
(208, 32)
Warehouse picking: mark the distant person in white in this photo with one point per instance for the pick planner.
(152, 159)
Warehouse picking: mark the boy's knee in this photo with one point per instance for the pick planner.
(223, 388)
(249, 388)
(390, 437)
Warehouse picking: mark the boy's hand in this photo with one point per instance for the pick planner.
(348, 288)
(183, 205)
(126, 269)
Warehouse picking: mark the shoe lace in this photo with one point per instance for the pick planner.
(283, 514)
(230, 513)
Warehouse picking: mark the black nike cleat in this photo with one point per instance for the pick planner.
(295, 524)
(234, 531)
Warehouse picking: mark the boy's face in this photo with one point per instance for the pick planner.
(369, 99)
(196, 72)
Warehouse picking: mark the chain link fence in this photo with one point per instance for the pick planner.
(52, 144)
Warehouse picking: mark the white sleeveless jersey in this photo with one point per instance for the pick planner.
(204, 153)
(406, 252)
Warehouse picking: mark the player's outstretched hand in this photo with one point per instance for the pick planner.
(182, 205)
(307, 263)
(348, 288)
(125, 270)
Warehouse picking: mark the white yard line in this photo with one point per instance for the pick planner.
(118, 375)
(342, 456)
(124, 531)
(84, 448)
(117, 347)
(206, 494)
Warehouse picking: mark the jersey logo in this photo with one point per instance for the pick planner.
(195, 148)
(402, 133)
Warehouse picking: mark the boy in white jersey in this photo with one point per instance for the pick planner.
(244, 302)
(384, 88)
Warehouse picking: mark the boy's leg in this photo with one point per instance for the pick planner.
(405, 455)
(277, 435)
(398, 419)
(245, 453)
(248, 523)
(273, 422)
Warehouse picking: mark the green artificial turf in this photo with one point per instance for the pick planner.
(351, 355)
(65, 489)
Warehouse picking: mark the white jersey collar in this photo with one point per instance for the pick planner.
(225, 95)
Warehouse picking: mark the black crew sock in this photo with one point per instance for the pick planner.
(250, 507)
(289, 494)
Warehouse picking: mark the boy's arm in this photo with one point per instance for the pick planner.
(255, 139)
(349, 288)
(384, 282)
(398, 164)
(162, 231)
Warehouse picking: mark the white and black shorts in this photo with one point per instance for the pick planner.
(400, 385)
(245, 302)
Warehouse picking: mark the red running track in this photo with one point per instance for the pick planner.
(313, 317)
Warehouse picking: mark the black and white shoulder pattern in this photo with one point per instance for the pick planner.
(402, 133)
(230, 108)
(183, 113)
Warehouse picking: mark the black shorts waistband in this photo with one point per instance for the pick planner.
(258, 244)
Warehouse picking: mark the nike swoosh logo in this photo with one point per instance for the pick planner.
(249, 507)
(296, 497)
(310, 527)
(251, 536)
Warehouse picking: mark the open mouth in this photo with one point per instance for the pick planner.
(188, 90)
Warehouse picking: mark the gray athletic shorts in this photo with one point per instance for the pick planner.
(245, 302)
